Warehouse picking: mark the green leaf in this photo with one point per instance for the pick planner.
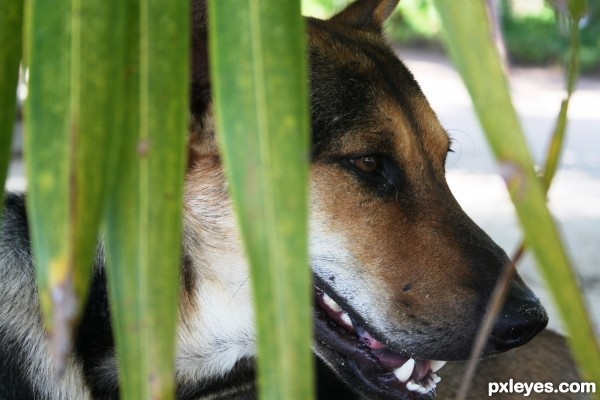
(74, 52)
(577, 9)
(558, 136)
(11, 21)
(260, 90)
(46, 145)
(144, 221)
(470, 42)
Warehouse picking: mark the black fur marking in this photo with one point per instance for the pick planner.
(238, 383)
(14, 228)
(340, 102)
(377, 69)
(94, 343)
(330, 387)
(13, 382)
(14, 238)
(187, 275)
(200, 89)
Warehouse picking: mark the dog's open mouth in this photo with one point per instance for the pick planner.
(379, 367)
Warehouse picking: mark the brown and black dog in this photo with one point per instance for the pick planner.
(402, 275)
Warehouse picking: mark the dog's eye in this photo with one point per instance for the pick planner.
(377, 171)
(367, 164)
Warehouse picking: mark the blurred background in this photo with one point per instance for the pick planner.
(535, 46)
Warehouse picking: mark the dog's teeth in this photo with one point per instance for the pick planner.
(436, 365)
(415, 387)
(405, 371)
(430, 385)
(329, 302)
(436, 379)
(422, 390)
(346, 319)
(412, 386)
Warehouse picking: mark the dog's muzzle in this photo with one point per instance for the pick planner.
(374, 363)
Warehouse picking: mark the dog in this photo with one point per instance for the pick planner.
(402, 275)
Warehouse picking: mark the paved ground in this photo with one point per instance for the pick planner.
(575, 194)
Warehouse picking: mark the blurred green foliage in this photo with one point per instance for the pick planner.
(416, 23)
(539, 38)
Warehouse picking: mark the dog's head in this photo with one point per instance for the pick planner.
(402, 275)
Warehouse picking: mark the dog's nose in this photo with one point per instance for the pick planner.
(521, 318)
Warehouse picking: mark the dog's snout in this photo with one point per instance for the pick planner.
(521, 318)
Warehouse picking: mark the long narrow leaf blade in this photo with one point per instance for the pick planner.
(144, 221)
(469, 39)
(97, 57)
(558, 136)
(74, 53)
(259, 75)
(47, 151)
(11, 27)
(46, 123)
(122, 227)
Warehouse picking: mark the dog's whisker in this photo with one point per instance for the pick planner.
(241, 285)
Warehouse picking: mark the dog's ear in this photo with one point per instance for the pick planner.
(366, 14)
(200, 79)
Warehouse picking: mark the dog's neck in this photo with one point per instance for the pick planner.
(216, 329)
